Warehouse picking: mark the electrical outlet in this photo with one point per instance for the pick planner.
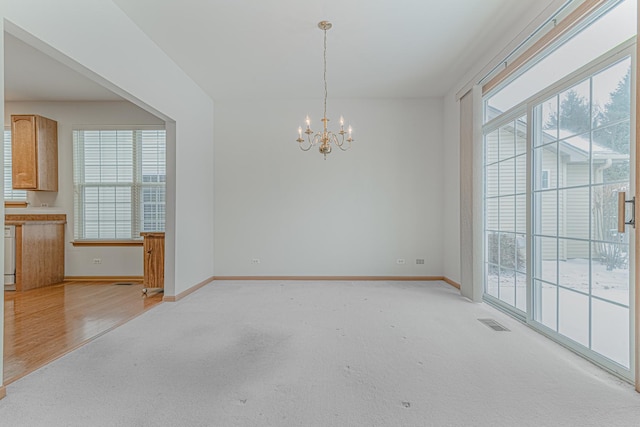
(255, 261)
(44, 205)
(419, 261)
(97, 260)
(400, 261)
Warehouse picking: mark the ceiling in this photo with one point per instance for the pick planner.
(273, 49)
(30, 75)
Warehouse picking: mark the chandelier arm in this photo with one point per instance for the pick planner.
(302, 143)
(334, 139)
(316, 139)
(341, 144)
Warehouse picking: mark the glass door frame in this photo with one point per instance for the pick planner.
(627, 49)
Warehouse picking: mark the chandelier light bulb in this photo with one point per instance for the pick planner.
(325, 138)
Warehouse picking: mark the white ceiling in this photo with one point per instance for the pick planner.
(273, 48)
(30, 75)
(376, 48)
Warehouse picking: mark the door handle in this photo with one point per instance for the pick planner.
(622, 220)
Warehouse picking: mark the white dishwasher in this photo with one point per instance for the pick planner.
(9, 257)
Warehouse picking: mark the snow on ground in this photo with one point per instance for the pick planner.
(568, 312)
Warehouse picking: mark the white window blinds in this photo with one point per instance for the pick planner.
(9, 193)
(119, 183)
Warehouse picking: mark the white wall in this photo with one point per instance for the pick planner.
(96, 38)
(451, 203)
(116, 261)
(354, 214)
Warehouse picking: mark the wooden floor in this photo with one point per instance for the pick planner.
(41, 325)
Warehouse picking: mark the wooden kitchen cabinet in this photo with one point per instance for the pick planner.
(153, 259)
(34, 152)
(39, 249)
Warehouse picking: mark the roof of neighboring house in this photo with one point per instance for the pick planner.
(577, 148)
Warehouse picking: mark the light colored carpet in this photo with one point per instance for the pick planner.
(320, 354)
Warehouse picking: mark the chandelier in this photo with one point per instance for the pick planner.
(325, 138)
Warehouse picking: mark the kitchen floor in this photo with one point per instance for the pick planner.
(44, 324)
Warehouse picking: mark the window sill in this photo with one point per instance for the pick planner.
(107, 243)
(15, 204)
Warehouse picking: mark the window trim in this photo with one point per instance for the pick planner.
(107, 242)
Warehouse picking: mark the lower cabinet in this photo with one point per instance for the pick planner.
(153, 259)
(39, 251)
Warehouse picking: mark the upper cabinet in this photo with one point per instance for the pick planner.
(34, 146)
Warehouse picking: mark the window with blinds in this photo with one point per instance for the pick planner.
(9, 193)
(119, 183)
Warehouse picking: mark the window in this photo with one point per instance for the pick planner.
(9, 193)
(544, 178)
(119, 183)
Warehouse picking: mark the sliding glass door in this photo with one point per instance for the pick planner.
(555, 167)
(580, 259)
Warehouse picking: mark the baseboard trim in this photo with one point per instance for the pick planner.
(194, 288)
(451, 282)
(103, 279)
(338, 278)
(3, 392)
(169, 298)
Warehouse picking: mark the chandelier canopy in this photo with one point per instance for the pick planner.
(325, 138)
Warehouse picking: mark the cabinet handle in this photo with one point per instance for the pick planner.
(149, 251)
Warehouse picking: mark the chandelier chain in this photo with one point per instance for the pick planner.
(325, 74)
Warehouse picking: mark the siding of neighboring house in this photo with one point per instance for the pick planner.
(521, 190)
(563, 193)
(563, 209)
(547, 203)
(506, 179)
(571, 215)
(577, 208)
(492, 174)
(564, 212)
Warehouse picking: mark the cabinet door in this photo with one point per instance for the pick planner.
(47, 154)
(34, 144)
(154, 262)
(24, 152)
